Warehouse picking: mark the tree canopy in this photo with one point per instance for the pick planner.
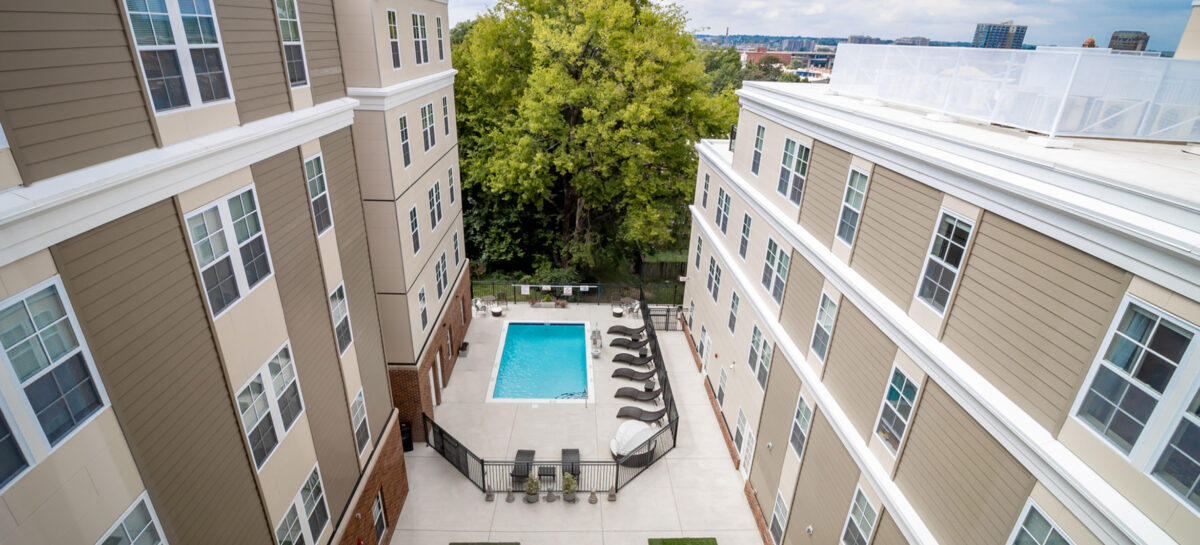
(577, 124)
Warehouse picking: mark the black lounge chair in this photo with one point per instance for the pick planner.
(625, 372)
(570, 462)
(630, 344)
(522, 465)
(638, 394)
(630, 359)
(626, 331)
(641, 414)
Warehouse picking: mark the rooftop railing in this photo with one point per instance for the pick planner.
(1053, 91)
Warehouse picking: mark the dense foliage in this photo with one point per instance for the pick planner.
(577, 120)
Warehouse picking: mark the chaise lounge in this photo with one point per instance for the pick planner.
(626, 331)
(638, 395)
(630, 359)
(625, 372)
(627, 343)
(522, 465)
(570, 463)
(637, 413)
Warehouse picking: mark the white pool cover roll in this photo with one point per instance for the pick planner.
(629, 436)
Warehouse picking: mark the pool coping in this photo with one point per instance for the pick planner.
(591, 386)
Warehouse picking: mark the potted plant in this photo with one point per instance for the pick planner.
(532, 486)
(568, 486)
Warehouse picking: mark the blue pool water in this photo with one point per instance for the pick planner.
(543, 361)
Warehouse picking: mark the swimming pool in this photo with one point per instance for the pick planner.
(543, 362)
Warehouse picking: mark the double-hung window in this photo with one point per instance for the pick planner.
(852, 203)
(404, 151)
(756, 342)
(946, 252)
(450, 183)
(756, 159)
(314, 170)
(691, 311)
(704, 193)
(293, 43)
(445, 100)
(428, 127)
(420, 39)
(414, 229)
(439, 271)
(721, 388)
(269, 404)
(286, 386)
(739, 431)
(358, 418)
(894, 415)
(860, 522)
(1035, 528)
(764, 364)
(435, 204)
(1179, 465)
(801, 422)
(312, 497)
(699, 248)
(43, 348)
(733, 308)
(290, 530)
(341, 318)
(423, 309)
(228, 274)
(744, 243)
(394, 38)
(179, 49)
(823, 328)
(779, 516)
(793, 170)
(437, 23)
(456, 250)
(714, 277)
(775, 268)
(722, 210)
(379, 516)
(138, 524)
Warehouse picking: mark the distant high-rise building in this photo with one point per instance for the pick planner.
(912, 40)
(865, 40)
(1004, 35)
(799, 44)
(1129, 40)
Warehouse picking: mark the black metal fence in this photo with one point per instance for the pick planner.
(590, 475)
(657, 293)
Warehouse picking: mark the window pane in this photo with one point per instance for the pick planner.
(164, 79)
(1170, 341)
(12, 461)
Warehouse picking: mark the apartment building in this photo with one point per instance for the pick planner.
(922, 327)
(230, 230)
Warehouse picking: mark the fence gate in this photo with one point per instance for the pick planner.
(663, 317)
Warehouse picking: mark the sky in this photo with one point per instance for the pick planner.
(1051, 22)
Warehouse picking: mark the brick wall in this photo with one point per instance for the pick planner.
(387, 473)
(759, 520)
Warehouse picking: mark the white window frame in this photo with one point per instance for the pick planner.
(232, 247)
(739, 430)
(144, 497)
(435, 204)
(850, 514)
(420, 38)
(301, 523)
(1031, 505)
(423, 308)
(756, 155)
(846, 191)
(764, 363)
(744, 242)
(691, 311)
(319, 159)
(450, 183)
(379, 514)
(300, 42)
(699, 250)
(714, 278)
(704, 193)
(747, 454)
(817, 324)
(776, 263)
(393, 26)
(405, 147)
(442, 278)
(437, 21)
(928, 256)
(912, 410)
(27, 432)
(793, 171)
(414, 227)
(733, 309)
(722, 217)
(428, 127)
(782, 518)
(356, 422)
(303, 514)
(273, 411)
(445, 106)
(756, 342)
(333, 314)
(721, 388)
(806, 427)
(182, 50)
(457, 253)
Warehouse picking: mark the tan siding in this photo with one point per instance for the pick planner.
(825, 488)
(1030, 313)
(893, 236)
(254, 51)
(291, 237)
(321, 50)
(961, 481)
(823, 191)
(342, 178)
(779, 408)
(134, 291)
(887, 533)
(856, 370)
(800, 299)
(69, 85)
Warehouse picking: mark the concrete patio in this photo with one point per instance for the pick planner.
(694, 491)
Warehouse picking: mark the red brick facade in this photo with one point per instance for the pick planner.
(758, 515)
(385, 472)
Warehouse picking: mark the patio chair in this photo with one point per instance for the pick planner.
(641, 414)
(638, 394)
(630, 359)
(570, 462)
(640, 376)
(633, 332)
(627, 343)
(522, 465)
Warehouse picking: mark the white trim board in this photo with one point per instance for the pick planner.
(1105, 511)
(1147, 234)
(50, 211)
(386, 98)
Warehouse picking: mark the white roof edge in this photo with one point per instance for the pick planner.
(1102, 508)
(49, 211)
(1164, 252)
(386, 98)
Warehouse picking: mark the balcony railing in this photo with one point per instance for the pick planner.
(1053, 91)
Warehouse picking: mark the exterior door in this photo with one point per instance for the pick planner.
(747, 454)
(705, 348)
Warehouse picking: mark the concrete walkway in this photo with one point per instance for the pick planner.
(693, 492)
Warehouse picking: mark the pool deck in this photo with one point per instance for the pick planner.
(694, 491)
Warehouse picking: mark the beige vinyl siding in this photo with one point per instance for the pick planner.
(69, 86)
(134, 290)
(254, 51)
(800, 299)
(775, 426)
(321, 50)
(963, 484)
(825, 488)
(288, 221)
(887, 532)
(823, 191)
(345, 201)
(1030, 314)
(856, 371)
(893, 236)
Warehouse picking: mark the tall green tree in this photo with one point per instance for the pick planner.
(577, 125)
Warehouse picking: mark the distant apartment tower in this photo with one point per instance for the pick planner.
(1129, 40)
(1004, 35)
(799, 44)
(912, 40)
(859, 39)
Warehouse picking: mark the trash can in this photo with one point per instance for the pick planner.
(406, 436)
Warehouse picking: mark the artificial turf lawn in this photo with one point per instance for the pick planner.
(684, 541)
